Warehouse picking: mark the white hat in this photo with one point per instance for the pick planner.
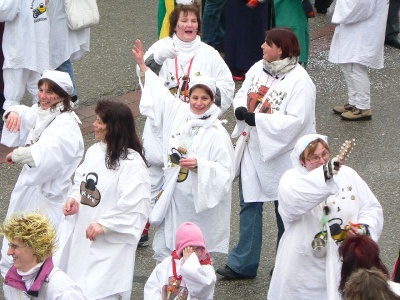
(203, 79)
(302, 144)
(62, 79)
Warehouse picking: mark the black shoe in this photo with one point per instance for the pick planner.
(395, 42)
(228, 273)
(144, 240)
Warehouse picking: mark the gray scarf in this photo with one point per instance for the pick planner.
(279, 67)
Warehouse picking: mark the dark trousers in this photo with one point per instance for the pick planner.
(392, 25)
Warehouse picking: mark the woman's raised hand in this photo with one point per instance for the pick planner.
(138, 54)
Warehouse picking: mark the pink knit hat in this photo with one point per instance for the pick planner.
(188, 234)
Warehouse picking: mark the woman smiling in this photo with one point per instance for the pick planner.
(50, 147)
(193, 139)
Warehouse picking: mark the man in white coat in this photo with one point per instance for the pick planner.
(356, 45)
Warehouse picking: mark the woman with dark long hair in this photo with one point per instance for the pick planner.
(107, 207)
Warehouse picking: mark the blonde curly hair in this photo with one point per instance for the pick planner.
(34, 230)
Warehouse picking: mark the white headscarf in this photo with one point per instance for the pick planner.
(302, 144)
(60, 78)
(203, 79)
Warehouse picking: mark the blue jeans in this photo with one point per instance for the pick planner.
(244, 258)
(392, 25)
(213, 22)
(66, 66)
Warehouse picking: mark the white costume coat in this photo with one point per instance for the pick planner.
(207, 61)
(204, 198)
(291, 115)
(59, 287)
(199, 279)
(105, 266)
(360, 32)
(56, 154)
(36, 38)
(45, 30)
(298, 274)
(65, 43)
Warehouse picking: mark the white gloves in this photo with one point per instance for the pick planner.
(169, 51)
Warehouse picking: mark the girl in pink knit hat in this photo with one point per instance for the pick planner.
(187, 273)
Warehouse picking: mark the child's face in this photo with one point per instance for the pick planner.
(199, 251)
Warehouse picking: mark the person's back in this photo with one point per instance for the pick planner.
(244, 33)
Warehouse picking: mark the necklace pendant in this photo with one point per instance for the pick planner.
(176, 284)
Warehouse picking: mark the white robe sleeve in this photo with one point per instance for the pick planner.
(74, 191)
(348, 12)
(56, 148)
(224, 81)
(129, 215)
(300, 193)
(9, 9)
(156, 100)
(215, 174)
(157, 279)
(241, 95)
(27, 118)
(279, 132)
(61, 287)
(199, 279)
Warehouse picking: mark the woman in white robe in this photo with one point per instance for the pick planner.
(317, 201)
(50, 147)
(107, 208)
(274, 107)
(203, 195)
(176, 59)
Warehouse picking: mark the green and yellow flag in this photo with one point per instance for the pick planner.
(165, 7)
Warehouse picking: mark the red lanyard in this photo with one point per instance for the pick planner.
(177, 277)
(187, 79)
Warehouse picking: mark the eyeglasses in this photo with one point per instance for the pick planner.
(15, 247)
(316, 158)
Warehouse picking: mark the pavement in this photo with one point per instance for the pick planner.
(107, 72)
